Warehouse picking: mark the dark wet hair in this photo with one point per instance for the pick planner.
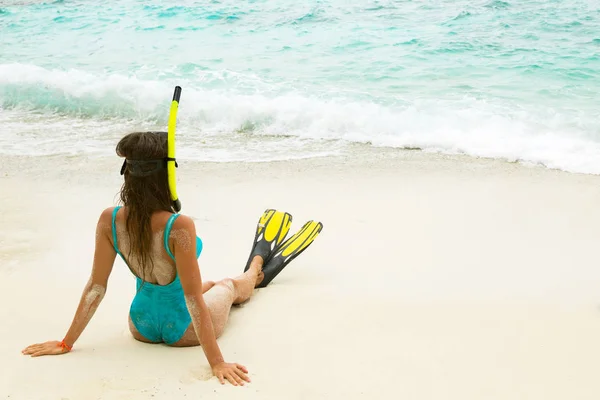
(143, 193)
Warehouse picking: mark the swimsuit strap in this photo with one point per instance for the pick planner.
(168, 228)
(114, 231)
(167, 233)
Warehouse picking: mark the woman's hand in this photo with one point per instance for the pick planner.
(50, 348)
(234, 373)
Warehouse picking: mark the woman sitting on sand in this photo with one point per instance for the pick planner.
(172, 305)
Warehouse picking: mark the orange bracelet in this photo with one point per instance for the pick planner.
(63, 346)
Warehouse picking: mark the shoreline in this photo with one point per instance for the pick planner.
(358, 154)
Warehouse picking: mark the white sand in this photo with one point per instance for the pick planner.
(434, 278)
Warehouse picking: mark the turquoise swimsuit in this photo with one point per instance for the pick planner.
(159, 312)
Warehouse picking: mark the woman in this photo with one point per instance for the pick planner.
(172, 305)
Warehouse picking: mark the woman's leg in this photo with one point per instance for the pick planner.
(222, 296)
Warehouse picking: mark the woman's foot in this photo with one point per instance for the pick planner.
(244, 285)
(259, 278)
(256, 265)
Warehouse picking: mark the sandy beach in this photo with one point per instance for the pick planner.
(435, 277)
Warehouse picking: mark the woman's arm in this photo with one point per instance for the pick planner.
(93, 293)
(191, 282)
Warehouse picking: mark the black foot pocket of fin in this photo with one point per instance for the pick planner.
(289, 250)
(272, 228)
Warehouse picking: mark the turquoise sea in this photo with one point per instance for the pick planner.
(272, 80)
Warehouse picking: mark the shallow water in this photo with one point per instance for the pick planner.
(276, 80)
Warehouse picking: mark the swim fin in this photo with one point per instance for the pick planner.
(288, 250)
(272, 228)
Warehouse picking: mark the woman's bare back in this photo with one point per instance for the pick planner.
(163, 270)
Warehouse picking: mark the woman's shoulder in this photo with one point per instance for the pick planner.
(182, 222)
(185, 222)
(105, 221)
(106, 215)
(184, 231)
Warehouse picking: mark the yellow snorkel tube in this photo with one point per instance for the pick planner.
(171, 162)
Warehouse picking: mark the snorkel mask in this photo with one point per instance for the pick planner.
(143, 168)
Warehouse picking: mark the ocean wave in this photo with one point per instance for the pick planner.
(558, 138)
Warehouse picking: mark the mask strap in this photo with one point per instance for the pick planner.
(140, 168)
